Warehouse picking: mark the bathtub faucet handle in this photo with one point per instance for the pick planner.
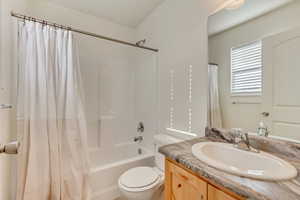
(140, 127)
(138, 139)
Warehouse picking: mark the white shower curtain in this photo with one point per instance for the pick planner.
(214, 110)
(52, 164)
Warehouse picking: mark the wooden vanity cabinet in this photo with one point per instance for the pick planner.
(183, 184)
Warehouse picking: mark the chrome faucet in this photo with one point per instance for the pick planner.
(138, 139)
(242, 142)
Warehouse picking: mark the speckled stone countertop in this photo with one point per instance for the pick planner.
(248, 188)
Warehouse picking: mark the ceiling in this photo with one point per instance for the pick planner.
(226, 19)
(125, 12)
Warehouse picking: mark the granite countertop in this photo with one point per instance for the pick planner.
(245, 187)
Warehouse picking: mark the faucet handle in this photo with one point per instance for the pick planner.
(245, 137)
(237, 134)
(138, 138)
(140, 127)
(237, 131)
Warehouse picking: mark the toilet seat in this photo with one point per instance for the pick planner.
(139, 179)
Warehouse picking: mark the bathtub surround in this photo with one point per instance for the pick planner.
(51, 124)
(248, 188)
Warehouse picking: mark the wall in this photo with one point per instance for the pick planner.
(246, 116)
(178, 29)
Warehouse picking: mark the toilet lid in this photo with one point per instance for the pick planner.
(139, 177)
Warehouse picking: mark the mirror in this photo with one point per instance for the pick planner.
(254, 70)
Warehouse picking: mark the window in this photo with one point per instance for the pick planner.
(246, 69)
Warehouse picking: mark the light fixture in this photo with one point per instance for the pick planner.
(235, 4)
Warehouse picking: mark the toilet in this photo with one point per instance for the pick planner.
(143, 183)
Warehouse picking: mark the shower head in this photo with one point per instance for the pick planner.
(141, 43)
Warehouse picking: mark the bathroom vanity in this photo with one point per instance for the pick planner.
(182, 184)
(189, 178)
(253, 74)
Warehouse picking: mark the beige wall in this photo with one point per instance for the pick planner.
(246, 116)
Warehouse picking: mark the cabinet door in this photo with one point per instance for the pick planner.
(182, 185)
(216, 194)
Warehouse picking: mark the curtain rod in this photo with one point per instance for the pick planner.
(24, 17)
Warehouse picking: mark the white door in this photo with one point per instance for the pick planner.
(281, 90)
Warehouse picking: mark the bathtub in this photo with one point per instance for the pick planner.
(107, 166)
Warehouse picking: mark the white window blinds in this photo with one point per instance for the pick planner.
(246, 69)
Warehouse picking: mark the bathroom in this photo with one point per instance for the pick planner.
(152, 80)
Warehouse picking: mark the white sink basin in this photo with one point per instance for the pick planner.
(227, 158)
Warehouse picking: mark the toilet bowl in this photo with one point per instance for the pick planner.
(140, 183)
(145, 183)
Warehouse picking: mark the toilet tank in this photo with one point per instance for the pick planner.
(161, 140)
